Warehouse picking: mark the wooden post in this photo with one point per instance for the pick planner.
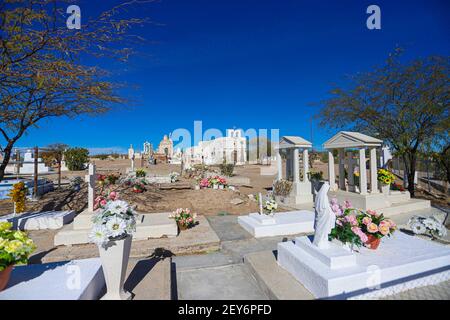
(35, 187)
(59, 170)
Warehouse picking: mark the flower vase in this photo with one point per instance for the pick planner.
(221, 187)
(114, 256)
(215, 186)
(197, 187)
(4, 277)
(385, 189)
(372, 242)
(182, 226)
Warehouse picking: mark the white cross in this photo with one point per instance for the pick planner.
(91, 178)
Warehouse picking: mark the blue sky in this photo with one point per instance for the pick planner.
(246, 64)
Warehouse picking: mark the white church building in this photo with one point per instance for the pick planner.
(232, 149)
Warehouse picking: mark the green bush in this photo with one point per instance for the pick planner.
(227, 169)
(76, 158)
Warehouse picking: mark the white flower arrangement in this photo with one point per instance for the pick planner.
(431, 225)
(114, 221)
(270, 205)
(174, 176)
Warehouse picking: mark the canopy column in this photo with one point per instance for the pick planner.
(362, 173)
(341, 159)
(296, 166)
(305, 165)
(331, 173)
(373, 171)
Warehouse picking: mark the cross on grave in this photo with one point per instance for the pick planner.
(91, 179)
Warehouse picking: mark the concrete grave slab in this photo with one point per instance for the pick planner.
(40, 220)
(154, 225)
(68, 280)
(282, 223)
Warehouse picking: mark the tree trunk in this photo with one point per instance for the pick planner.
(6, 157)
(410, 167)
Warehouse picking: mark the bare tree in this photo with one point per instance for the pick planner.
(403, 104)
(41, 72)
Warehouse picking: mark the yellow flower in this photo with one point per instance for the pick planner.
(19, 235)
(5, 226)
(3, 243)
(13, 246)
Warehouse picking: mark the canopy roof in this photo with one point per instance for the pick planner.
(349, 139)
(294, 142)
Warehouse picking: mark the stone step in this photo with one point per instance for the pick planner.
(398, 197)
(404, 207)
(275, 282)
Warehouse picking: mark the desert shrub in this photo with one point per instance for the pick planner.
(282, 187)
(227, 169)
(76, 158)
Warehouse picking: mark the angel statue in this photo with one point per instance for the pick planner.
(325, 218)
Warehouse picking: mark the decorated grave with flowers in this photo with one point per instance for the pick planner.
(359, 253)
(23, 220)
(365, 191)
(154, 225)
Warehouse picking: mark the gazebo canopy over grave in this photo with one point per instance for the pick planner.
(351, 147)
(301, 190)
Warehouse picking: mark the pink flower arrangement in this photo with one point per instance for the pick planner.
(102, 200)
(362, 236)
(184, 217)
(211, 181)
(358, 227)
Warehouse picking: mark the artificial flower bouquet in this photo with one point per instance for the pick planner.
(385, 176)
(375, 226)
(269, 206)
(140, 173)
(429, 226)
(18, 196)
(356, 227)
(15, 246)
(138, 187)
(174, 176)
(108, 179)
(184, 218)
(114, 221)
(101, 200)
(211, 182)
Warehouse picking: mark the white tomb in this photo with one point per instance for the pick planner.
(28, 164)
(40, 220)
(329, 270)
(281, 223)
(155, 225)
(401, 262)
(365, 194)
(301, 192)
(67, 280)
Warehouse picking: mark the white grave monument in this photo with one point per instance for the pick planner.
(301, 192)
(155, 225)
(67, 280)
(327, 269)
(367, 194)
(28, 165)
